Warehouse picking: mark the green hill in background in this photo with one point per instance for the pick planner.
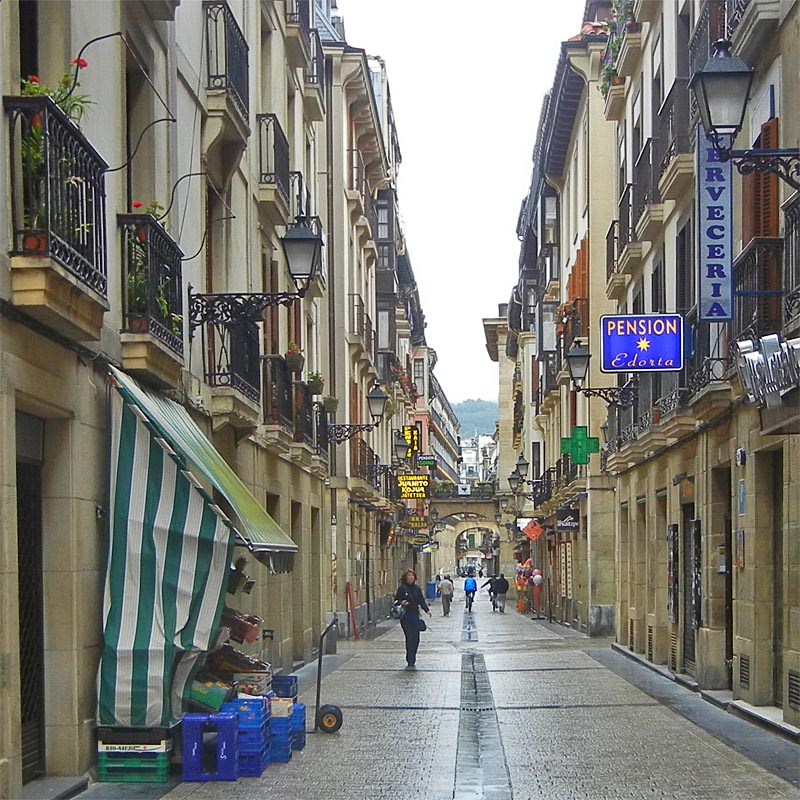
(476, 415)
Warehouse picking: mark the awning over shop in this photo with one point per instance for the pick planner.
(169, 551)
(253, 525)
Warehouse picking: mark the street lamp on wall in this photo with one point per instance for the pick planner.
(578, 358)
(376, 402)
(722, 90)
(302, 245)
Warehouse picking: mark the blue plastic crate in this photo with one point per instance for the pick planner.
(282, 757)
(193, 728)
(251, 712)
(284, 685)
(253, 743)
(299, 742)
(252, 765)
(280, 725)
(298, 717)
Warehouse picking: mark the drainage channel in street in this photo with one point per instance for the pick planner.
(481, 769)
(469, 632)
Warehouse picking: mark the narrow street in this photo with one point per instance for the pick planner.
(502, 706)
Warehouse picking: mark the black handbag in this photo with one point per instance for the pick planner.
(421, 624)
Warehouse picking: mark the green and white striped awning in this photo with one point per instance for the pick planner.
(169, 551)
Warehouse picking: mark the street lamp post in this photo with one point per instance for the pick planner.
(578, 358)
(722, 89)
(376, 402)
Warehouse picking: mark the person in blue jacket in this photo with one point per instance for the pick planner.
(470, 587)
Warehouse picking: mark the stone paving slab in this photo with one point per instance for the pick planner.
(571, 725)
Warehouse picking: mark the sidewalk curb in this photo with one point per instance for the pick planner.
(720, 699)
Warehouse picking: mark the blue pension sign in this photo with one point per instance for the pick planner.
(715, 227)
(641, 343)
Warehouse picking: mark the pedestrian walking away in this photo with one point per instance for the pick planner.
(411, 598)
(446, 588)
(500, 592)
(492, 591)
(470, 587)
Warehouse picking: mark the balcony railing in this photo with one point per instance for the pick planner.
(575, 322)
(226, 54)
(299, 196)
(624, 217)
(736, 10)
(303, 415)
(371, 213)
(316, 71)
(57, 190)
(278, 401)
(153, 286)
(321, 429)
(646, 172)
(791, 263)
(358, 173)
(673, 125)
(361, 325)
(231, 357)
(612, 249)
(758, 289)
(273, 153)
(298, 13)
(364, 462)
(449, 491)
(709, 28)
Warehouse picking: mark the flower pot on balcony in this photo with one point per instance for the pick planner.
(34, 242)
(138, 323)
(330, 404)
(295, 362)
(316, 387)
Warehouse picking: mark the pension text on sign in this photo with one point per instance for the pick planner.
(641, 343)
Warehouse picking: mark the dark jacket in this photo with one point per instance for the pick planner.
(413, 594)
(500, 586)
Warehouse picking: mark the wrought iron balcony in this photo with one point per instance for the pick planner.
(710, 28)
(57, 190)
(361, 325)
(273, 154)
(758, 289)
(625, 218)
(646, 172)
(612, 249)
(226, 54)
(277, 392)
(364, 462)
(152, 281)
(298, 31)
(673, 125)
(791, 262)
(303, 414)
(313, 99)
(231, 357)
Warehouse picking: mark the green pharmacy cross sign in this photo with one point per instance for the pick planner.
(580, 445)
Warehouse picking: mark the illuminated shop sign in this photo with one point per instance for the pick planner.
(715, 230)
(768, 368)
(413, 487)
(641, 343)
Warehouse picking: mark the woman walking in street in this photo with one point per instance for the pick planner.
(410, 597)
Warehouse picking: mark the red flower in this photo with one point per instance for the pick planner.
(33, 78)
(137, 204)
(81, 62)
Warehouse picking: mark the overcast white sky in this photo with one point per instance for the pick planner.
(467, 80)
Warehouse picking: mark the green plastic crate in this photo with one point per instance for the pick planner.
(133, 767)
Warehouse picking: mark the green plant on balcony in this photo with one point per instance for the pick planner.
(316, 383)
(619, 22)
(33, 152)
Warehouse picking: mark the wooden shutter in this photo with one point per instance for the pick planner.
(760, 193)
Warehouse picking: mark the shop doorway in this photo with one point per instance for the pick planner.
(30, 437)
(691, 585)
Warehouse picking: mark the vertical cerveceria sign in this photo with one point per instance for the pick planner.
(715, 232)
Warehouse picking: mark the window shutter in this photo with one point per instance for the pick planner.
(760, 193)
(769, 184)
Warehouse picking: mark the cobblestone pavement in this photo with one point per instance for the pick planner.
(519, 709)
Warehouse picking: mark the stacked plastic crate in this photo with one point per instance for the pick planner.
(133, 754)
(253, 715)
(284, 689)
(298, 726)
